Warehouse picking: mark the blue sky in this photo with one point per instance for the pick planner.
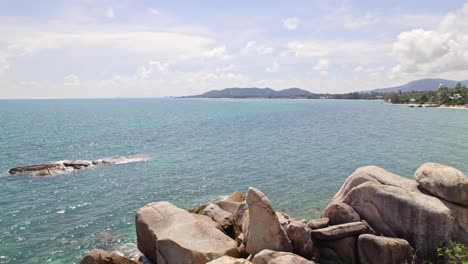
(81, 49)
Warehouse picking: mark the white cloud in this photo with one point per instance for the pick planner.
(291, 23)
(322, 66)
(273, 68)
(153, 67)
(310, 49)
(109, 13)
(227, 68)
(358, 22)
(219, 52)
(4, 66)
(71, 79)
(433, 52)
(153, 11)
(253, 48)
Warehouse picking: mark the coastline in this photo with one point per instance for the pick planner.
(441, 106)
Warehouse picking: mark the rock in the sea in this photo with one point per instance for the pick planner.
(345, 248)
(299, 234)
(263, 229)
(235, 197)
(167, 234)
(395, 207)
(340, 213)
(275, 257)
(43, 168)
(229, 260)
(98, 256)
(318, 223)
(223, 218)
(443, 181)
(341, 231)
(384, 250)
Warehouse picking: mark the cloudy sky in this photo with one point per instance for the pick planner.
(142, 48)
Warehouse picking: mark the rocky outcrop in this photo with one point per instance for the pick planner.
(384, 250)
(395, 207)
(223, 218)
(340, 213)
(229, 260)
(299, 234)
(236, 197)
(263, 230)
(63, 166)
(341, 231)
(274, 257)
(167, 234)
(98, 256)
(344, 248)
(318, 223)
(443, 181)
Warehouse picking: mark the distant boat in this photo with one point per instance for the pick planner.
(411, 105)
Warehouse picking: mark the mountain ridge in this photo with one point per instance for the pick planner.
(253, 92)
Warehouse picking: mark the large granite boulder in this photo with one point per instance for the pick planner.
(345, 248)
(235, 197)
(340, 231)
(229, 260)
(299, 234)
(98, 256)
(274, 257)
(395, 207)
(318, 223)
(264, 230)
(443, 181)
(223, 218)
(384, 250)
(167, 234)
(340, 213)
(261, 226)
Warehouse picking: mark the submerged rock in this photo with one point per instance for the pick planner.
(443, 181)
(167, 234)
(63, 166)
(263, 227)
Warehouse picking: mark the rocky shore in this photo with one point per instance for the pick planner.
(376, 217)
(64, 166)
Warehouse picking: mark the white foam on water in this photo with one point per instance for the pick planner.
(60, 212)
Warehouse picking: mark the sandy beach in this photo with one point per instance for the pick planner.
(441, 106)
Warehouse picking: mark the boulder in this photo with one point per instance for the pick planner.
(299, 234)
(98, 256)
(328, 256)
(341, 231)
(443, 181)
(167, 234)
(263, 227)
(235, 197)
(229, 260)
(384, 250)
(267, 256)
(318, 223)
(345, 248)
(223, 218)
(340, 213)
(395, 207)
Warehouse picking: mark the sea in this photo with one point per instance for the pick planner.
(298, 152)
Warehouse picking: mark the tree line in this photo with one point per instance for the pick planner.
(444, 95)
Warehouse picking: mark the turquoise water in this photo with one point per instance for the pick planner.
(298, 152)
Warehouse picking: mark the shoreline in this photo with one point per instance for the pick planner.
(441, 106)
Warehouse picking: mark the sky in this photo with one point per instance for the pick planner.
(142, 48)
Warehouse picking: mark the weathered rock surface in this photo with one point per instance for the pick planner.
(328, 256)
(236, 197)
(443, 181)
(59, 167)
(299, 234)
(274, 257)
(340, 213)
(223, 218)
(318, 223)
(384, 250)
(229, 260)
(98, 256)
(341, 231)
(345, 248)
(167, 234)
(263, 229)
(395, 207)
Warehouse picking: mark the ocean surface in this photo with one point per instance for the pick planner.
(298, 152)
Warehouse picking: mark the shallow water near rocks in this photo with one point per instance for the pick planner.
(298, 152)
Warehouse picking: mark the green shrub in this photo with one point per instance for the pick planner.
(454, 253)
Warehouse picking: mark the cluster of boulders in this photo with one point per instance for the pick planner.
(376, 217)
(63, 166)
